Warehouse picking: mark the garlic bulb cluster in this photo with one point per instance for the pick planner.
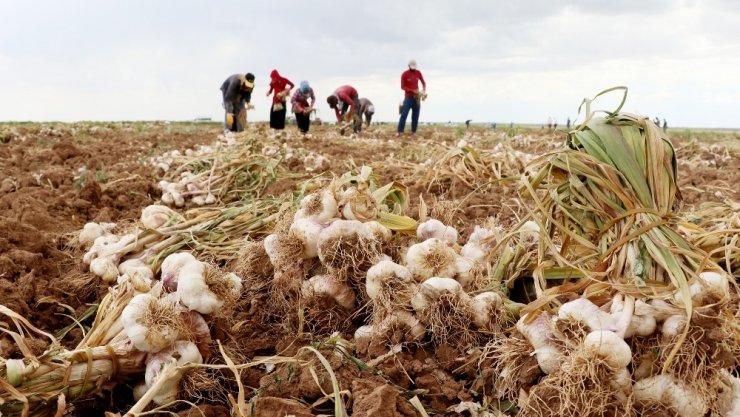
(314, 162)
(155, 216)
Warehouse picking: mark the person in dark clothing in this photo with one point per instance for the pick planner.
(467, 123)
(665, 126)
(567, 123)
(412, 96)
(367, 109)
(301, 107)
(280, 89)
(237, 95)
(346, 104)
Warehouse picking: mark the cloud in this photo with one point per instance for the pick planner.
(505, 61)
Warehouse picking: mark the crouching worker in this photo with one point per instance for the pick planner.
(237, 95)
(367, 109)
(346, 105)
(301, 107)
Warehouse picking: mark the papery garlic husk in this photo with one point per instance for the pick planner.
(434, 228)
(307, 231)
(210, 198)
(152, 324)
(327, 286)
(199, 200)
(198, 331)
(183, 352)
(357, 203)
(710, 286)
(155, 216)
(172, 267)
(320, 207)
(431, 258)
(530, 230)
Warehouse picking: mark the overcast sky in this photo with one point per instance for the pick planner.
(485, 60)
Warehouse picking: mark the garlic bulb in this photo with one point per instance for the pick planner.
(415, 329)
(326, 285)
(677, 395)
(172, 267)
(382, 273)
(430, 258)
(610, 347)
(539, 334)
(431, 289)
(181, 353)
(136, 267)
(319, 207)
(434, 228)
(307, 231)
(91, 231)
(155, 216)
(357, 203)
(193, 291)
(381, 233)
(151, 324)
(584, 311)
(486, 306)
(101, 245)
(105, 268)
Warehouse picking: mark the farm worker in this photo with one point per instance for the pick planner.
(280, 89)
(367, 109)
(237, 91)
(301, 107)
(412, 97)
(346, 104)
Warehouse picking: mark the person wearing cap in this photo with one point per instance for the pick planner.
(346, 101)
(301, 107)
(367, 109)
(280, 89)
(412, 97)
(237, 92)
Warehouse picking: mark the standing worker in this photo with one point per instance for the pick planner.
(301, 106)
(412, 97)
(280, 89)
(367, 109)
(237, 94)
(345, 101)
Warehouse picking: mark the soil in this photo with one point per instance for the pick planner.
(45, 199)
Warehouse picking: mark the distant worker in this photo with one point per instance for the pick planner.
(567, 123)
(280, 89)
(346, 105)
(467, 123)
(412, 97)
(665, 126)
(367, 109)
(554, 124)
(301, 107)
(237, 95)
(549, 124)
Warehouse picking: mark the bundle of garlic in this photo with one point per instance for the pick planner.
(583, 352)
(216, 232)
(148, 331)
(319, 262)
(225, 172)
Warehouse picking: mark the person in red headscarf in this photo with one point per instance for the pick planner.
(280, 89)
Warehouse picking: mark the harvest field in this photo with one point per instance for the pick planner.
(477, 272)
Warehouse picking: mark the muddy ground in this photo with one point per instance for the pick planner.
(56, 177)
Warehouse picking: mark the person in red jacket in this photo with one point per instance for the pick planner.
(412, 97)
(345, 100)
(280, 89)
